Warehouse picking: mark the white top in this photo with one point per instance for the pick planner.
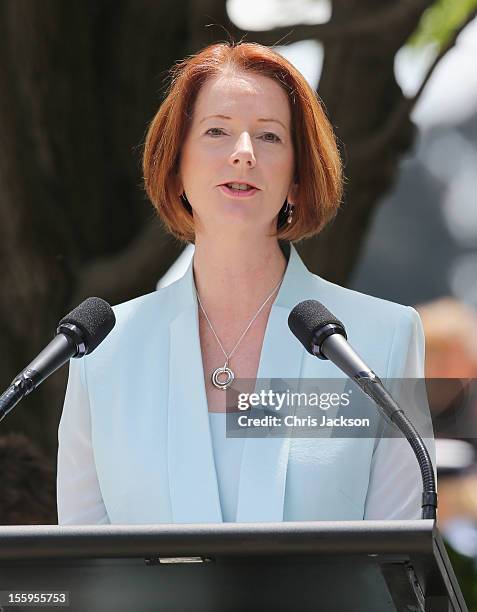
(228, 458)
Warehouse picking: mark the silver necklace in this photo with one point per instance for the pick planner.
(216, 381)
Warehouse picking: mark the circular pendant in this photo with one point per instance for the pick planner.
(221, 383)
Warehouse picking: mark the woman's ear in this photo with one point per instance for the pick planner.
(293, 193)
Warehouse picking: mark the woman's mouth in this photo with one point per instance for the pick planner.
(238, 193)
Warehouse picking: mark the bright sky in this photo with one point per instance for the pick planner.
(450, 96)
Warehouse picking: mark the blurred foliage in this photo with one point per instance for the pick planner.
(465, 571)
(440, 21)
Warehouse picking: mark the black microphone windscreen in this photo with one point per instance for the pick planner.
(306, 318)
(95, 318)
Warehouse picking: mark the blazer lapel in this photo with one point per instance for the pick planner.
(265, 460)
(192, 475)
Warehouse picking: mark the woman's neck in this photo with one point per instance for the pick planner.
(234, 277)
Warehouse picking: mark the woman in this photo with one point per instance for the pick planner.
(143, 415)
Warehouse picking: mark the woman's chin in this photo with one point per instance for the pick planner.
(237, 213)
(242, 221)
(236, 217)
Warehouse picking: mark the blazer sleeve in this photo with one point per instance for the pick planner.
(395, 485)
(79, 499)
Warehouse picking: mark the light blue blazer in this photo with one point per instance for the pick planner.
(134, 438)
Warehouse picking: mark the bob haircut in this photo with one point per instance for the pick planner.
(317, 161)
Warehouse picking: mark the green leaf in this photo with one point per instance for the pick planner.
(440, 21)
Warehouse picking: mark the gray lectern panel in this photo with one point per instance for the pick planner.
(291, 585)
(363, 566)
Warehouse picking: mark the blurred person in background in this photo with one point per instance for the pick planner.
(451, 370)
(450, 329)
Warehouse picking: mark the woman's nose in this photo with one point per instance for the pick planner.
(243, 151)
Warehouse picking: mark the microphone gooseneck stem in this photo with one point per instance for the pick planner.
(22, 385)
(58, 351)
(374, 388)
(336, 349)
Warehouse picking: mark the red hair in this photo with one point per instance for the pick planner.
(317, 161)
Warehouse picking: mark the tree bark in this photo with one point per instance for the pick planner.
(79, 82)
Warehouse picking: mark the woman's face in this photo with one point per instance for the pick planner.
(240, 132)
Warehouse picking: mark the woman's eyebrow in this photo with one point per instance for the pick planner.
(225, 117)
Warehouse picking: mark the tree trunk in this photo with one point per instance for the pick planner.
(79, 82)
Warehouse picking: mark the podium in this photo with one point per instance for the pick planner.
(358, 566)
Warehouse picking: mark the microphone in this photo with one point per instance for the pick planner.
(78, 334)
(324, 336)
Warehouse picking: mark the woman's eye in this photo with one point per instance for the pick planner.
(276, 138)
(216, 129)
